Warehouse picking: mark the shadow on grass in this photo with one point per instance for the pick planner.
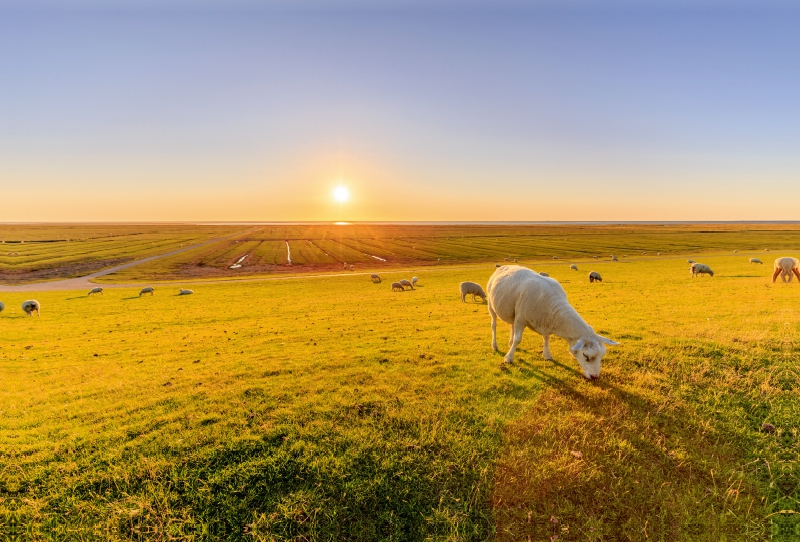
(604, 461)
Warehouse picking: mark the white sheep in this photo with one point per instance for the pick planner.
(573, 267)
(700, 269)
(520, 297)
(735, 251)
(397, 286)
(595, 257)
(185, 292)
(406, 282)
(352, 267)
(595, 276)
(414, 281)
(375, 278)
(515, 261)
(555, 257)
(471, 288)
(614, 258)
(95, 290)
(507, 259)
(542, 273)
(30, 306)
(786, 267)
(146, 290)
(756, 260)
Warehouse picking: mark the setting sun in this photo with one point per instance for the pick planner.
(341, 194)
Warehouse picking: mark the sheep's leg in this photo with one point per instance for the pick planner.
(516, 330)
(796, 273)
(511, 336)
(776, 273)
(494, 328)
(546, 348)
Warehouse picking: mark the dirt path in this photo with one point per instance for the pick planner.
(80, 283)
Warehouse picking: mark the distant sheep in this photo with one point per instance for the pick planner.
(375, 278)
(352, 267)
(185, 292)
(594, 276)
(542, 273)
(515, 261)
(397, 286)
(573, 267)
(414, 281)
(614, 258)
(31, 305)
(595, 257)
(522, 298)
(555, 257)
(405, 283)
(690, 261)
(735, 251)
(658, 254)
(756, 260)
(146, 290)
(507, 259)
(786, 267)
(700, 269)
(95, 290)
(473, 289)
(644, 253)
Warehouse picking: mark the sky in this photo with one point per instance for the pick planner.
(247, 110)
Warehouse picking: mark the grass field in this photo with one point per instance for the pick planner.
(334, 409)
(30, 253)
(46, 252)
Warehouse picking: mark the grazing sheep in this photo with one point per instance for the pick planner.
(594, 276)
(573, 267)
(397, 286)
(518, 296)
(146, 290)
(515, 261)
(644, 253)
(471, 288)
(700, 269)
(405, 283)
(352, 268)
(414, 280)
(786, 267)
(614, 258)
(766, 250)
(30, 306)
(185, 292)
(689, 261)
(735, 251)
(2, 306)
(658, 254)
(375, 278)
(756, 260)
(344, 265)
(542, 273)
(555, 257)
(506, 259)
(595, 257)
(95, 290)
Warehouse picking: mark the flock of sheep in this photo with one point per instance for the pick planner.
(30, 306)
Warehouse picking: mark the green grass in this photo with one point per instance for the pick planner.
(325, 248)
(334, 409)
(30, 253)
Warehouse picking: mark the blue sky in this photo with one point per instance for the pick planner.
(426, 111)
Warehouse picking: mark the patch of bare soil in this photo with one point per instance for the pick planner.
(67, 271)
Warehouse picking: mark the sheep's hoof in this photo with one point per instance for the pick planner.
(549, 358)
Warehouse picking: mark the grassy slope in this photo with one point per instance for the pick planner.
(332, 409)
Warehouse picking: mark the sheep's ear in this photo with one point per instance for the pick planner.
(577, 348)
(609, 342)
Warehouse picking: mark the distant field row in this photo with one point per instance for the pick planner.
(43, 252)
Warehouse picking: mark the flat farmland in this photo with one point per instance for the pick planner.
(30, 253)
(327, 248)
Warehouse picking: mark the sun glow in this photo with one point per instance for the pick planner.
(341, 194)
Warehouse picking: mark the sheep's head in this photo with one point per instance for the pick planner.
(589, 352)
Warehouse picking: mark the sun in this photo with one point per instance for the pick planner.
(341, 194)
